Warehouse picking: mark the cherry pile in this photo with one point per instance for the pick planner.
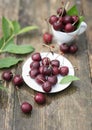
(64, 22)
(65, 48)
(45, 71)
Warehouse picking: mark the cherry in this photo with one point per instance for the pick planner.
(47, 86)
(53, 19)
(26, 107)
(40, 98)
(55, 63)
(45, 61)
(40, 79)
(47, 70)
(36, 56)
(33, 73)
(69, 27)
(61, 11)
(47, 38)
(17, 80)
(64, 70)
(55, 70)
(7, 75)
(41, 69)
(75, 18)
(58, 26)
(73, 48)
(67, 19)
(35, 64)
(64, 48)
(52, 79)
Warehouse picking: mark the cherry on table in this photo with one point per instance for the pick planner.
(64, 48)
(26, 107)
(7, 75)
(47, 38)
(18, 80)
(40, 98)
(73, 48)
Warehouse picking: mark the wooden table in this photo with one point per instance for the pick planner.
(70, 109)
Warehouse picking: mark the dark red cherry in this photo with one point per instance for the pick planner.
(73, 48)
(67, 19)
(18, 80)
(45, 61)
(69, 27)
(64, 48)
(35, 65)
(26, 107)
(40, 79)
(64, 70)
(36, 56)
(7, 75)
(52, 79)
(55, 63)
(47, 70)
(40, 98)
(33, 73)
(75, 18)
(47, 86)
(47, 38)
(55, 70)
(58, 26)
(61, 11)
(53, 19)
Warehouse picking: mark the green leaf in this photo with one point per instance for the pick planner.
(18, 49)
(16, 26)
(27, 29)
(1, 42)
(9, 61)
(73, 11)
(5, 28)
(68, 78)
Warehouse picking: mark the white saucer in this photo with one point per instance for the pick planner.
(31, 82)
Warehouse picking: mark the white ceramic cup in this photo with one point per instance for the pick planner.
(63, 37)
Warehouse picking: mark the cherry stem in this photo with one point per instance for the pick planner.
(41, 80)
(50, 49)
(64, 7)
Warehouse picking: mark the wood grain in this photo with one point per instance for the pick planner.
(70, 109)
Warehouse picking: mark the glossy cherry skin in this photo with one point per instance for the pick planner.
(73, 48)
(47, 86)
(47, 38)
(40, 98)
(64, 70)
(26, 107)
(36, 56)
(52, 79)
(7, 75)
(64, 48)
(18, 80)
(53, 19)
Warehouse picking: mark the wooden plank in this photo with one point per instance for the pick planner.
(88, 15)
(9, 9)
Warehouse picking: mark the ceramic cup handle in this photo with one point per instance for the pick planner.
(83, 27)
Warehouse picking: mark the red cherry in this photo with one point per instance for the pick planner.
(47, 38)
(7, 75)
(64, 70)
(18, 80)
(40, 98)
(73, 48)
(53, 19)
(26, 107)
